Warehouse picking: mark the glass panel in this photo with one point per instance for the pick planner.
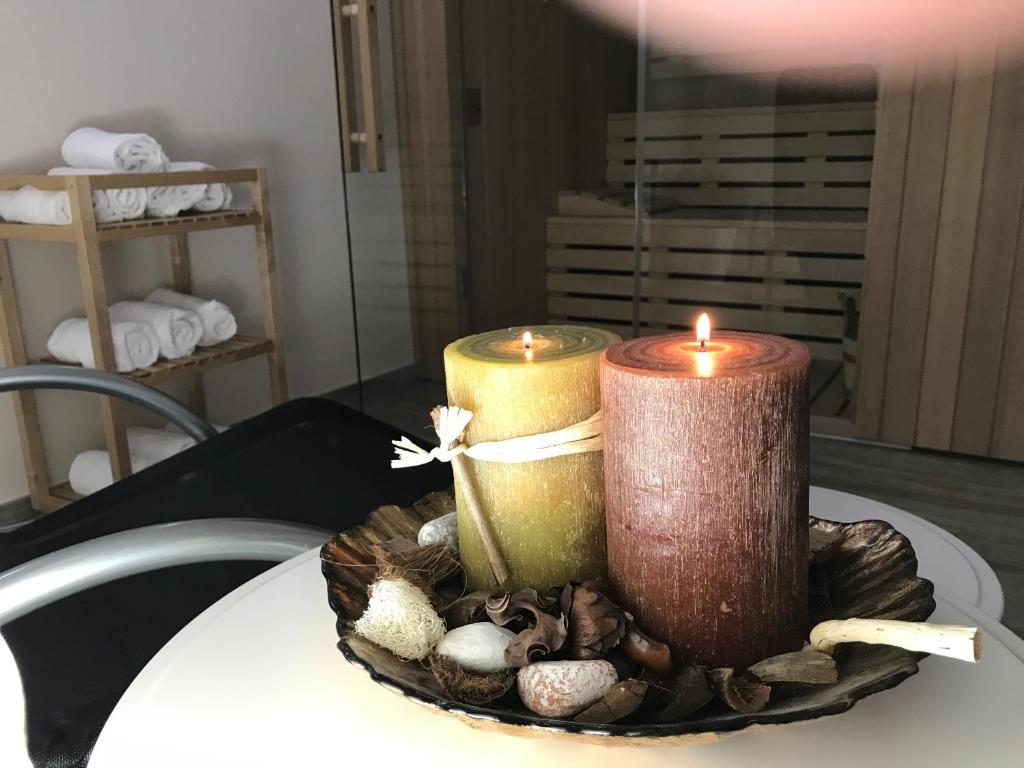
(755, 178)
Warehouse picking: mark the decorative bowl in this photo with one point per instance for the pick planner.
(858, 570)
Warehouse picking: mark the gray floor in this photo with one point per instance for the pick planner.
(980, 502)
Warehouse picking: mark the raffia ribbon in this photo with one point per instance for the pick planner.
(451, 423)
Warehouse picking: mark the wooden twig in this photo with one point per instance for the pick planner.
(941, 639)
(463, 480)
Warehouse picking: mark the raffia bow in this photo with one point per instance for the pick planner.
(450, 423)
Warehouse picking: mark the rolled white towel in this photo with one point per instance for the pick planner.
(217, 196)
(170, 201)
(121, 152)
(157, 444)
(110, 205)
(178, 330)
(29, 205)
(90, 471)
(135, 344)
(219, 323)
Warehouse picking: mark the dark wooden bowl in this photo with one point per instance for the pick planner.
(858, 570)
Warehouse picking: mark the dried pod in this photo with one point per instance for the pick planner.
(402, 558)
(806, 666)
(468, 609)
(596, 624)
(741, 692)
(470, 687)
(645, 650)
(619, 701)
(677, 697)
(545, 636)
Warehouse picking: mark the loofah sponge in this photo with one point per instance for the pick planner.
(401, 619)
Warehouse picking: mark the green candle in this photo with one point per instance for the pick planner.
(547, 515)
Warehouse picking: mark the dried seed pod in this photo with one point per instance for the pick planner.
(547, 634)
(741, 692)
(596, 624)
(468, 609)
(645, 650)
(470, 687)
(619, 701)
(806, 666)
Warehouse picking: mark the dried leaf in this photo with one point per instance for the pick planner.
(620, 701)
(596, 624)
(546, 634)
(645, 650)
(677, 697)
(741, 692)
(807, 666)
(468, 609)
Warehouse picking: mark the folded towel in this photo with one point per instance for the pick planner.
(29, 205)
(90, 471)
(110, 204)
(217, 197)
(171, 201)
(121, 152)
(218, 322)
(178, 330)
(157, 444)
(135, 344)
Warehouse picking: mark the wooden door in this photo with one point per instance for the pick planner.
(942, 334)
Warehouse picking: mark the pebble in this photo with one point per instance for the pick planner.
(477, 647)
(442, 529)
(564, 688)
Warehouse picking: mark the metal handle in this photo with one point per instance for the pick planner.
(364, 14)
(102, 383)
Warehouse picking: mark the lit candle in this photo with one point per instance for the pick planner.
(706, 484)
(547, 516)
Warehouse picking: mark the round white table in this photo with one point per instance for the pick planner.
(256, 680)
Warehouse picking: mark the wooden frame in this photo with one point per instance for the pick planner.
(87, 236)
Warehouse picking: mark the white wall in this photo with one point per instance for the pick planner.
(233, 83)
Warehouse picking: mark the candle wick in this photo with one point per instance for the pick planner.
(703, 344)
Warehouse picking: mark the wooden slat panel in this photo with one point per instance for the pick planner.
(776, 294)
(763, 320)
(990, 396)
(821, 237)
(814, 145)
(767, 197)
(954, 249)
(723, 264)
(922, 196)
(746, 121)
(882, 250)
(751, 173)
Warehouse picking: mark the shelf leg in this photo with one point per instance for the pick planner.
(94, 293)
(181, 276)
(268, 281)
(25, 411)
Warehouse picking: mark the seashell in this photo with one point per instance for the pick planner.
(443, 529)
(564, 688)
(477, 647)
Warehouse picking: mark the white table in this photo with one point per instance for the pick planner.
(256, 681)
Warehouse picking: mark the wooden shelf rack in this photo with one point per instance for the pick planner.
(87, 236)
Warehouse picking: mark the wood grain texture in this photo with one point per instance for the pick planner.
(706, 493)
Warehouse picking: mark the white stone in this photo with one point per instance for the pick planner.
(477, 647)
(442, 529)
(564, 688)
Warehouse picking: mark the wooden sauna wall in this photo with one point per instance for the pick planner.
(429, 93)
(539, 82)
(942, 333)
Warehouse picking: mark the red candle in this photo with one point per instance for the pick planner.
(706, 469)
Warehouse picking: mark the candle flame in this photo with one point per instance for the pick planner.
(527, 341)
(703, 329)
